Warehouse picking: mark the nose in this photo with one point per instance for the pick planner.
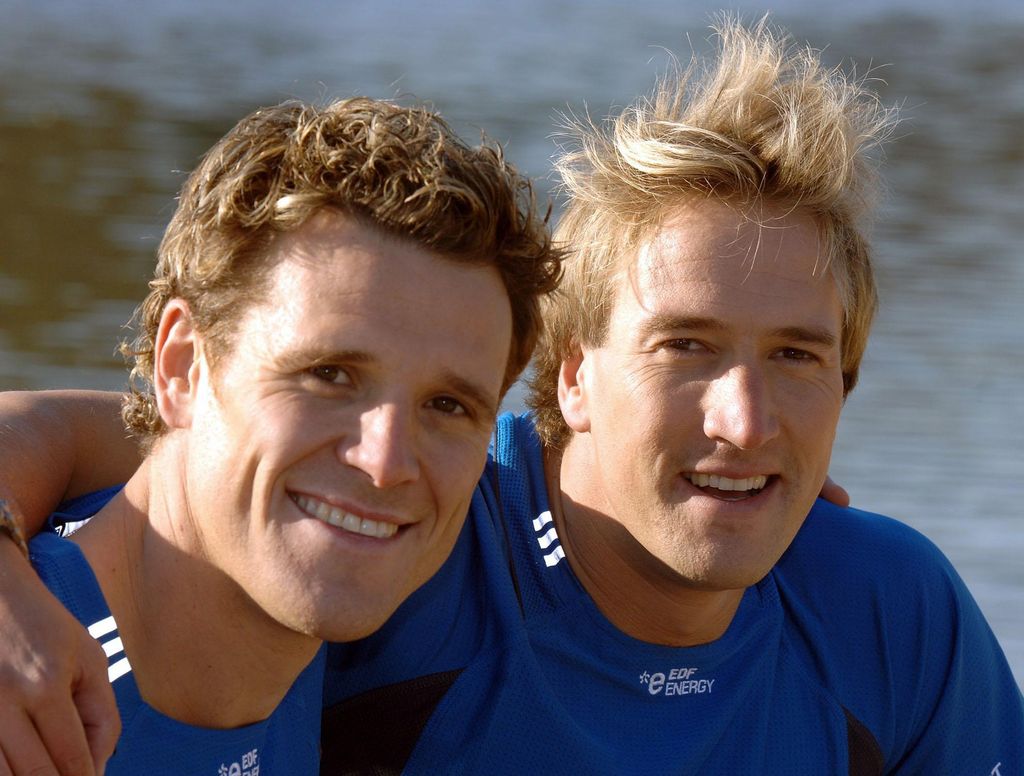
(385, 449)
(739, 408)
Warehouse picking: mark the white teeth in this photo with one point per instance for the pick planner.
(726, 483)
(350, 523)
(344, 520)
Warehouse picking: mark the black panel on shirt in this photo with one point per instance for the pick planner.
(865, 754)
(373, 734)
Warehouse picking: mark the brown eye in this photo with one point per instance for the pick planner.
(685, 345)
(795, 354)
(329, 373)
(447, 405)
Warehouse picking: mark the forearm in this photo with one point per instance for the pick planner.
(56, 444)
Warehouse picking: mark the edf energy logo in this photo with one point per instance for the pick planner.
(249, 766)
(678, 681)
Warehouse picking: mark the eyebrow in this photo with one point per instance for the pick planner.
(303, 357)
(447, 380)
(660, 323)
(811, 335)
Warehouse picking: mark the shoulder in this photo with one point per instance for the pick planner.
(853, 574)
(879, 618)
(844, 545)
(515, 440)
(62, 567)
(514, 485)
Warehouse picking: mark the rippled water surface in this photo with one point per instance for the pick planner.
(104, 105)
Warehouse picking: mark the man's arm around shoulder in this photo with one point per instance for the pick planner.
(57, 709)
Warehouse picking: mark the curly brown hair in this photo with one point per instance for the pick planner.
(764, 122)
(400, 169)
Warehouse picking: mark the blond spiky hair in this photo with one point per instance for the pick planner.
(764, 121)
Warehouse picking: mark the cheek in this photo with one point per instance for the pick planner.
(212, 442)
(814, 420)
(284, 426)
(635, 430)
(453, 472)
(665, 416)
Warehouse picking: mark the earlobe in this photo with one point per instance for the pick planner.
(573, 392)
(176, 363)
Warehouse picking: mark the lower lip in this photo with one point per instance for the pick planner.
(346, 541)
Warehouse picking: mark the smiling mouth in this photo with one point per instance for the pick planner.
(726, 488)
(346, 521)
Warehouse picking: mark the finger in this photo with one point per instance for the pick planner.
(837, 494)
(23, 751)
(97, 709)
(61, 731)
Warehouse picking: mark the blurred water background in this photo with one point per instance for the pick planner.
(106, 104)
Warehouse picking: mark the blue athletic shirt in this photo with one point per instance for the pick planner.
(152, 744)
(861, 652)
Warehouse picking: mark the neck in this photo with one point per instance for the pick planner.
(202, 652)
(637, 592)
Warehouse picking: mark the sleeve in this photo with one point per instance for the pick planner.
(890, 629)
(967, 715)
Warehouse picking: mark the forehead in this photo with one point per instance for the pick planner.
(710, 258)
(336, 284)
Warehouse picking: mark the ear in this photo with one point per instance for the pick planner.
(573, 391)
(177, 358)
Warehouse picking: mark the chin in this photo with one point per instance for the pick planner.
(739, 579)
(727, 575)
(352, 625)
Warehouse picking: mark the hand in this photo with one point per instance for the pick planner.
(57, 709)
(835, 493)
